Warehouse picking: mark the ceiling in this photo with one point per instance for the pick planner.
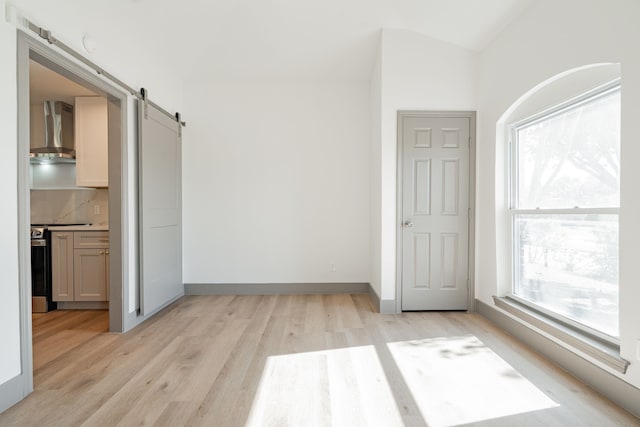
(267, 39)
(45, 84)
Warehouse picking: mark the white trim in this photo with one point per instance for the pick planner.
(570, 104)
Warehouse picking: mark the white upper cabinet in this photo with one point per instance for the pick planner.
(91, 138)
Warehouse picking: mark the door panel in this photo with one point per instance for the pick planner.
(160, 174)
(422, 183)
(450, 187)
(435, 205)
(449, 259)
(422, 260)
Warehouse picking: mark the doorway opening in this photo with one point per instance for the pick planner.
(72, 178)
(69, 199)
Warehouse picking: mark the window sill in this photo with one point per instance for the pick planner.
(605, 353)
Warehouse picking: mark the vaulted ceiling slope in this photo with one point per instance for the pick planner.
(268, 39)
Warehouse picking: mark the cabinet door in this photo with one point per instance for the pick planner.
(90, 276)
(91, 137)
(62, 266)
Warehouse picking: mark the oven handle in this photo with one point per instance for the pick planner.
(38, 242)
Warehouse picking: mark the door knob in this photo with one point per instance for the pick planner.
(408, 224)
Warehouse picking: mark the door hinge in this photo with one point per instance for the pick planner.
(469, 141)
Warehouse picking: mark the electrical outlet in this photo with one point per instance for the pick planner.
(96, 209)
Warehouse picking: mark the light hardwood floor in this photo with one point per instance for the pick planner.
(299, 361)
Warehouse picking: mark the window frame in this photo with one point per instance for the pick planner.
(513, 211)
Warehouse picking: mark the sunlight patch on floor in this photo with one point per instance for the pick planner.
(343, 387)
(459, 380)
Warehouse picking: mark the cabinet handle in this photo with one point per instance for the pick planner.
(106, 252)
(101, 252)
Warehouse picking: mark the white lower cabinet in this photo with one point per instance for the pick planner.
(80, 265)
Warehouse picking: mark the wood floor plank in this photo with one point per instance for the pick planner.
(248, 363)
(175, 414)
(291, 360)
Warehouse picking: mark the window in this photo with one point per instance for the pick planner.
(564, 203)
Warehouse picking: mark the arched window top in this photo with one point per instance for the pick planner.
(559, 89)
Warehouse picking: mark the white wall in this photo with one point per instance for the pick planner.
(276, 182)
(417, 73)
(575, 33)
(9, 287)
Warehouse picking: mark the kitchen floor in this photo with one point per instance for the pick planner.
(59, 332)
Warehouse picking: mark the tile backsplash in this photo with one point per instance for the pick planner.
(72, 206)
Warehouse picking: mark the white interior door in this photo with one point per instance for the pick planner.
(160, 173)
(435, 212)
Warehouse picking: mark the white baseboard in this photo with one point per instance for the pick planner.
(274, 288)
(385, 306)
(12, 392)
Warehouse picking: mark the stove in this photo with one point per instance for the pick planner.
(41, 290)
(41, 277)
(37, 231)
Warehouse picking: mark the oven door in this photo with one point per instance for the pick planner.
(39, 267)
(41, 292)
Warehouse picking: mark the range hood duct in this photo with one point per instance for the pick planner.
(52, 133)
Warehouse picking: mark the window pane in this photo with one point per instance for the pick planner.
(571, 158)
(569, 264)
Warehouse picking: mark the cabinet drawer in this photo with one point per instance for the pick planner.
(91, 239)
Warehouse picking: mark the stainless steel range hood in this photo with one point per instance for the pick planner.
(52, 133)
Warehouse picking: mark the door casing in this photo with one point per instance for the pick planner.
(31, 48)
(471, 115)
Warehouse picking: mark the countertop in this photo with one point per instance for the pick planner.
(78, 228)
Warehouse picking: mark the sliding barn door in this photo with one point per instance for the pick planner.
(160, 172)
